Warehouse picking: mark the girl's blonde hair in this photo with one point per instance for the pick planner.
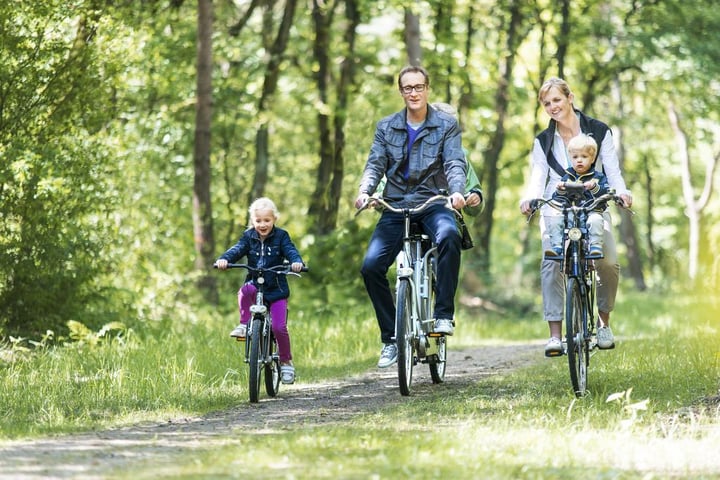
(263, 203)
(583, 143)
(551, 82)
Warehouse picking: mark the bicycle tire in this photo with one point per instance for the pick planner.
(404, 336)
(255, 361)
(577, 347)
(439, 361)
(272, 368)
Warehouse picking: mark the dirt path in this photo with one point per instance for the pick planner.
(93, 455)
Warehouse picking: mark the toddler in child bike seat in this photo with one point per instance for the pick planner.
(582, 150)
(266, 245)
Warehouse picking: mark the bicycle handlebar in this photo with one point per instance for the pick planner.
(430, 201)
(587, 205)
(278, 269)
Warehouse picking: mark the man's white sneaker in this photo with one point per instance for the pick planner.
(444, 325)
(605, 338)
(388, 355)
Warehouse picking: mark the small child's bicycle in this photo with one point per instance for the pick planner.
(261, 346)
(579, 276)
(416, 266)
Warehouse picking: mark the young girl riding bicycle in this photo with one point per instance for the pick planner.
(266, 245)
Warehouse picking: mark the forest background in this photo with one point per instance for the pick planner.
(134, 134)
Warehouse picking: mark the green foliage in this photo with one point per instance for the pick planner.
(54, 172)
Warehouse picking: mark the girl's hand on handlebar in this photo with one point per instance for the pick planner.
(457, 200)
(296, 267)
(221, 264)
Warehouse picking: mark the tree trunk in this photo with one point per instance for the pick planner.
(628, 232)
(202, 204)
(272, 74)
(491, 156)
(325, 202)
(694, 207)
(412, 36)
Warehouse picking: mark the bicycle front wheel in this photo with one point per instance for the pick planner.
(575, 325)
(255, 360)
(272, 367)
(404, 336)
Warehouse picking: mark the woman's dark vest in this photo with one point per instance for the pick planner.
(588, 125)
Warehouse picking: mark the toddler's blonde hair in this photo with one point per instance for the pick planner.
(584, 144)
(263, 203)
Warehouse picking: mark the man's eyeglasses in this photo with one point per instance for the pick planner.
(407, 89)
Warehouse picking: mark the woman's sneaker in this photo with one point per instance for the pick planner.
(239, 332)
(605, 338)
(553, 347)
(287, 374)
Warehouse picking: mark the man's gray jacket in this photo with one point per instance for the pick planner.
(437, 160)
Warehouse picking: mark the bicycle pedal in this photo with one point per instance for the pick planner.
(554, 354)
(435, 334)
(240, 339)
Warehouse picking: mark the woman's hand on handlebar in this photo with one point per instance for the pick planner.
(627, 199)
(221, 264)
(526, 207)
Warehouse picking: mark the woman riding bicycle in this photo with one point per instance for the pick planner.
(266, 245)
(549, 162)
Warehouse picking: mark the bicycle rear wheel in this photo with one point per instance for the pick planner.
(577, 347)
(254, 360)
(272, 367)
(404, 336)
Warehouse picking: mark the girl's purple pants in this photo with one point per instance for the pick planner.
(278, 313)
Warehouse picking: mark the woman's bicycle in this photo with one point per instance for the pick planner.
(579, 275)
(261, 346)
(416, 266)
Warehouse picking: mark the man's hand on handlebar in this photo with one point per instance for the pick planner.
(361, 200)
(457, 200)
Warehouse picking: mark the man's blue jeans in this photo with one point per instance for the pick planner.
(386, 242)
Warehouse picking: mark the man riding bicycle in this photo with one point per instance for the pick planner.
(419, 151)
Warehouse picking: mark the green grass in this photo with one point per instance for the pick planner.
(647, 415)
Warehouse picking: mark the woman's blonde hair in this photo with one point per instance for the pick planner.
(263, 203)
(551, 82)
(583, 143)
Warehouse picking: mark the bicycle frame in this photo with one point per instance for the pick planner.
(414, 263)
(414, 298)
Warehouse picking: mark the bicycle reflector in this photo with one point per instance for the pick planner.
(574, 234)
(404, 271)
(258, 309)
